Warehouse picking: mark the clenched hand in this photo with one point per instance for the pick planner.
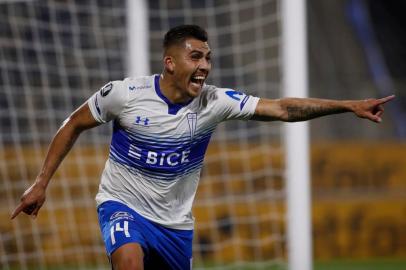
(31, 201)
(371, 109)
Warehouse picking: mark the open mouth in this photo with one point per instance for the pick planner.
(197, 79)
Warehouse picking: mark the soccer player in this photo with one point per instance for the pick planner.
(162, 126)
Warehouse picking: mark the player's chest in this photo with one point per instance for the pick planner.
(154, 118)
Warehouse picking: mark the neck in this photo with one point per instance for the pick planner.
(170, 90)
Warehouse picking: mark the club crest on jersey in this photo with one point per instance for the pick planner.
(105, 90)
(192, 121)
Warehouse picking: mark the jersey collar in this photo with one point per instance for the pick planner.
(173, 108)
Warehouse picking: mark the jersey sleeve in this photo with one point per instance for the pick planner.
(231, 104)
(107, 103)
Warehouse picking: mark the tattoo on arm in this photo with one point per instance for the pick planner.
(310, 108)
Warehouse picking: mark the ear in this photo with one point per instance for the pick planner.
(169, 64)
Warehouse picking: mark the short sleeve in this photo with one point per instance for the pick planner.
(231, 104)
(107, 103)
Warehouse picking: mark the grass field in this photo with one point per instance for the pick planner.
(374, 264)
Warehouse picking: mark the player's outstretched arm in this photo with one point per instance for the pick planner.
(302, 109)
(34, 197)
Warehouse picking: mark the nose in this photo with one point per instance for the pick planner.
(205, 65)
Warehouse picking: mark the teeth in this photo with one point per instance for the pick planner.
(199, 78)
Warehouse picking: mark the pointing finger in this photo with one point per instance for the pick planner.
(17, 210)
(386, 99)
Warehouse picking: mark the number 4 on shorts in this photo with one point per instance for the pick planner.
(118, 228)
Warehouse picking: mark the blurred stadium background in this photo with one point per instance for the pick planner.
(55, 54)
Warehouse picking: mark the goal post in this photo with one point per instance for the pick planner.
(55, 54)
(295, 84)
(138, 38)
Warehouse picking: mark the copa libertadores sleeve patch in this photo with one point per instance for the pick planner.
(109, 101)
(105, 90)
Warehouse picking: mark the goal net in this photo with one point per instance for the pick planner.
(55, 54)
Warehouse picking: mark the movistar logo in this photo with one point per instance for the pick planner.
(133, 88)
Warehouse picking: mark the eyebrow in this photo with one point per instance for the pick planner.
(197, 51)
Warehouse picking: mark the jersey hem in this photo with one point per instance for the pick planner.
(100, 199)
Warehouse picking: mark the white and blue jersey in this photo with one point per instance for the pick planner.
(157, 148)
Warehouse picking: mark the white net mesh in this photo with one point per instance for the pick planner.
(55, 54)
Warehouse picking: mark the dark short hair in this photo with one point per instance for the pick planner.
(179, 34)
